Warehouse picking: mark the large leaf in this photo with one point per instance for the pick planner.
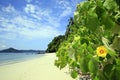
(111, 51)
(110, 4)
(107, 21)
(107, 70)
(116, 29)
(99, 11)
(115, 73)
(101, 76)
(92, 22)
(93, 66)
(84, 6)
(84, 65)
(90, 49)
(116, 43)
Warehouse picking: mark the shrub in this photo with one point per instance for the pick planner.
(93, 46)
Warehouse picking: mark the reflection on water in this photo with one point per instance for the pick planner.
(9, 58)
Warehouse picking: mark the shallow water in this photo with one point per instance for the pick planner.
(10, 58)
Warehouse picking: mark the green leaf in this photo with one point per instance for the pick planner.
(116, 43)
(105, 42)
(76, 44)
(116, 29)
(62, 65)
(92, 22)
(84, 40)
(111, 52)
(73, 64)
(110, 4)
(107, 21)
(84, 64)
(71, 53)
(118, 61)
(74, 74)
(84, 46)
(56, 63)
(93, 66)
(99, 11)
(118, 72)
(115, 74)
(96, 78)
(101, 76)
(84, 6)
(90, 49)
(107, 70)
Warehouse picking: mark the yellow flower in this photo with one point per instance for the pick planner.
(101, 51)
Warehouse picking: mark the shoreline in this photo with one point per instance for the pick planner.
(35, 69)
(19, 60)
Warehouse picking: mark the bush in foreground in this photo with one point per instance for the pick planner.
(93, 46)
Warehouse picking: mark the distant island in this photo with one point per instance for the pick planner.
(13, 50)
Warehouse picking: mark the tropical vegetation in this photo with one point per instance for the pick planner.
(54, 44)
(92, 41)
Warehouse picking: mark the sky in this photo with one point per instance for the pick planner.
(32, 24)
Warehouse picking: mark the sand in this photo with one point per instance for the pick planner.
(35, 69)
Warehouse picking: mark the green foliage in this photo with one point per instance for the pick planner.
(84, 65)
(54, 44)
(93, 66)
(107, 70)
(91, 18)
(74, 74)
(94, 31)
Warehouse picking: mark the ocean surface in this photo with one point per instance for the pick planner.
(11, 58)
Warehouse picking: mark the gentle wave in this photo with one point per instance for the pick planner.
(11, 58)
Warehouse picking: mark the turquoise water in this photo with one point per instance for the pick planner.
(10, 58)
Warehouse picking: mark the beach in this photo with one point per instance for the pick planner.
(35, 69)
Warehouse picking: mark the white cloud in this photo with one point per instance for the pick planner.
(65, 6)
(40, 24)
(9, 36)
(34, 22)
(23, 27)
(62, 4)
(23, 21)
(41, 14)
(40, 32)
(9, 8)
(36, 16)
(29, 8)
(66, 12)
(2, 46)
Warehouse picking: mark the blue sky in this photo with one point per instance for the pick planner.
(32, 24)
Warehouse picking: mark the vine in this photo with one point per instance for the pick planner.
(93, 45)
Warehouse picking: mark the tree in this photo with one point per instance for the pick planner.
(54, 44)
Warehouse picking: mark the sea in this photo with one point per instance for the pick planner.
(11, 58)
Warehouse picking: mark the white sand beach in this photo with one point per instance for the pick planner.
(36, 69)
